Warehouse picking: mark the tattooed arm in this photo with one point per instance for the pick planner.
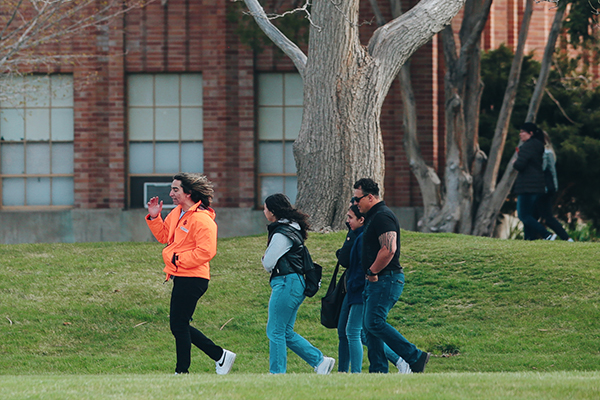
(388, 244)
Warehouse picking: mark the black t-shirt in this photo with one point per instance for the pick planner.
(379, 220)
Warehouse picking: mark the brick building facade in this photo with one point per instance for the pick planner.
(141, 77)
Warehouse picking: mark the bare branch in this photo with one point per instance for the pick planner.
(280, 40)
(303, 9)
(378, 15)
(538, 92)
(475, 34)
(562, 110)
(10, 20)
(35, 23)
(555, 2)
(409, 32)
(510, 94)
(494, 194)
(429, 181)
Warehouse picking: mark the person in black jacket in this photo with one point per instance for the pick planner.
(384, 282)
(530, 183)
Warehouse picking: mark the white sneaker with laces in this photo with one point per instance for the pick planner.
(403, 367)
(223, 366)
(326, 366)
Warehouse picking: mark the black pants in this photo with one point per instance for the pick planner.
(186, 293)
(544, 210)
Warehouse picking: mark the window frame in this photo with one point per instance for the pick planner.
(22, 108)
(284, 141)
(160, 177)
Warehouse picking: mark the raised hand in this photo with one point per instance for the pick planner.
(154, 207)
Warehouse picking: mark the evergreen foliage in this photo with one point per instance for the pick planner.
(570, 113)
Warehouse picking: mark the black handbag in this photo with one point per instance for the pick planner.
(331, 303)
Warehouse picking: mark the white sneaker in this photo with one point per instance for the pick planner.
(551, 237)
(326, 366)
(223, 366)
(570, 240)
(403, 367)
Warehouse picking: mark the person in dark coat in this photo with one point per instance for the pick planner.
(530, 183)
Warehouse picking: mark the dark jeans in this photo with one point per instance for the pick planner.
(544, 209)
(379, 298)
(186, 293)
(532, 229)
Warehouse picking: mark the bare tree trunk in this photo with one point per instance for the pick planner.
(494, 196)
(428, 179)
(340, 127)
(463, 89)
(345, 85)
(538, 93)
(470, 181)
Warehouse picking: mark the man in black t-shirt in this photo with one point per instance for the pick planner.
(385, 280)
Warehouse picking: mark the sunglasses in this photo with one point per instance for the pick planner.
(356, 200)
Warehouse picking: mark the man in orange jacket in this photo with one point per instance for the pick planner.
(190, 233)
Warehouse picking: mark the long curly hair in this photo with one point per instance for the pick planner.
(279, 204)
(197, 185)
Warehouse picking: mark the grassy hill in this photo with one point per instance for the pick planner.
(480, 305)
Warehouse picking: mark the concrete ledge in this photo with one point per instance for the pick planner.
(115, 225)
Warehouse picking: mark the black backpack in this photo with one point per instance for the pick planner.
(312, 273)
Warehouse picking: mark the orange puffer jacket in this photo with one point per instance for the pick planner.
(193, 238)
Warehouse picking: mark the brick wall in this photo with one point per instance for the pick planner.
(195, 36)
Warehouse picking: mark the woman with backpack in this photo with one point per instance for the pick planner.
(282, 259)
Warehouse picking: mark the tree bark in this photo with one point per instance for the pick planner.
(538, 92)
(494, 196)
(463, 89)
(428, 179)
(345, 85)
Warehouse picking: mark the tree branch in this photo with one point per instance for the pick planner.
(475, 35)
(540, 86)
(378, 15)
(42, 22)
(501, 131)
(410, 31)
(280, 40)
(10, 20)
(429, 181)
(562, 110)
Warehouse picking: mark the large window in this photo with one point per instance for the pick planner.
(280, 105)
(165, 129)
(36, 141)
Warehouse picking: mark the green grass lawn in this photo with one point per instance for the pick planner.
(451, 385)
(496, 314)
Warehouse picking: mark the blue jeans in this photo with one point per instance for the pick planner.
(287, 294)
(379, 298)
(532, 229)
(350, 349)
